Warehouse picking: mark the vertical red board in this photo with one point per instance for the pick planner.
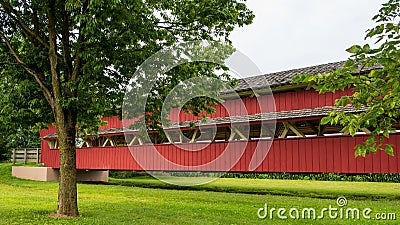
(283, 161)
(277, 158)
(397, 151)
(345, 154)
(290, 154)
(330, 155)
(352, 159)
(295, 156)
(322, 154)
(288, 100)
(392, 160)
(334, 147)
(384, 160)
(329, 99)
(302, 155)
(212, 149)
(307, 100)
(360, 160)
(301, 99)
(271, 157)
(376, 165)
(316, 146)
(321, 99)
(294, 100)
(309, 156)
(264, 165)
(368, 166)
(281, 102)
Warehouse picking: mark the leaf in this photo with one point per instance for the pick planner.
(366, 48)
(355, 49)
(326, 120)
(389, 150)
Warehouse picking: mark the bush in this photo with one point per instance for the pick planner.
(395, 178)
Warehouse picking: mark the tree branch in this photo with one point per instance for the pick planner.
(65, 44)
(15, 16)
(39, 79)
(55, 79)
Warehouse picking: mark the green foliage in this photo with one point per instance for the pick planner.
(395, 178)
(20, 112)
(374, 75)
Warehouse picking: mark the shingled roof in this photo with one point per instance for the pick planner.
(284, 77)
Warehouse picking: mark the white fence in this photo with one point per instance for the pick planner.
(25, 155)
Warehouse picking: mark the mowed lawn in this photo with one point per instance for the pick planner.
(31, 202)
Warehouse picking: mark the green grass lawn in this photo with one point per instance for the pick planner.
(31, 202)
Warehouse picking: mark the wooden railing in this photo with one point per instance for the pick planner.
(25, 155)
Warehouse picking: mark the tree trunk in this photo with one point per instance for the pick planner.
(67, 192)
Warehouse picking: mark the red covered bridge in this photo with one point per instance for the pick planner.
(298, 144)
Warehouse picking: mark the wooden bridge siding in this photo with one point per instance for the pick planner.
(317, 154)
(300, 99)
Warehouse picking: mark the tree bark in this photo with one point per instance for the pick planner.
(67, 192)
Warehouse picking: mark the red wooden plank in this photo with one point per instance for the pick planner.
(213, 153)
(264, 165)
(256, 104)
(231, 156)
(392, 164)
(252, 106)
(369, 163)
(244, 165)
(234, 156)
(322, 154)
(222, 112)
(271, 157)
(295, 156)
(269, 105)
(280, 102)
(344, 153)
(277, 157)
(291, 154)
(360, 160)
(309, 156)
(329, 99)
(352, 160)
(153, 155)
(316, 146)
(282, 159)
(397, 151)
(330, 155)
(288, 101)
(307, 100)
(335, 158)
(302, 155)
(384, 162)
(295, 100)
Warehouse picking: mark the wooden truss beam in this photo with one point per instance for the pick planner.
(235, 131)
(293, 128)
(193, 136)
(168, 137)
